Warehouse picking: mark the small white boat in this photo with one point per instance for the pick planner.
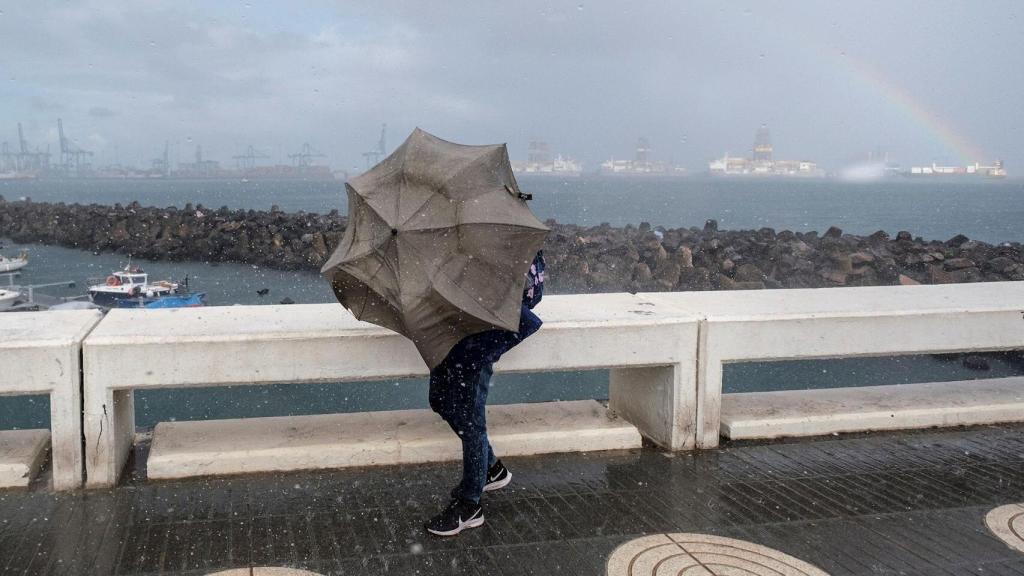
(12, 264)
(8, 298)
(129, 283)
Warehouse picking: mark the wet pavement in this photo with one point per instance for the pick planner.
(909, 503)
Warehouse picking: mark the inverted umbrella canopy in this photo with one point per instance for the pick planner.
(438, 241)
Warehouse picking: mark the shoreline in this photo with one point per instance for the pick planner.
(582, 258)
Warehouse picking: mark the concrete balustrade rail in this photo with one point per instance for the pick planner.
(771, 325)
(665, 353)
(40, 353)
(649, 348)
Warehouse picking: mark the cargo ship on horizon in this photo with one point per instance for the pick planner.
(996, 170)
(641, 165)
(540, 162)
(762, 164)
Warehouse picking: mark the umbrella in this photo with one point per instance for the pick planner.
(438, 242)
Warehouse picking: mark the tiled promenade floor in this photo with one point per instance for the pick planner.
(895, 503)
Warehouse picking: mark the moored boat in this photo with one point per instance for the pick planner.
(8, 298)
(130, 283)
(172, 301)
(12, 264)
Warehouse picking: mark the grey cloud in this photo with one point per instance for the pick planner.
(696, 78)
(44, 105)
(101, 112)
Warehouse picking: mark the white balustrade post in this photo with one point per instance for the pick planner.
(659, 400)
(109, 430)
(66, 429)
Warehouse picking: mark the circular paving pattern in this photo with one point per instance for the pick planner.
(264, 571)
(702, 555)
(1007, 523)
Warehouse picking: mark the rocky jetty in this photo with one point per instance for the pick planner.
(582, 259)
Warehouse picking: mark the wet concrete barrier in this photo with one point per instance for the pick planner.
(750, 326)
(40, 354)
(649, 348)
(665, 353)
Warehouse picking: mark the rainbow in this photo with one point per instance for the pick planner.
(914, 109)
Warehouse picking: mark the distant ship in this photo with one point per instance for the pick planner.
(641, 164)
(995, 170)
(762, 164)
(739, 166)
(559, 166)
(613, 167)
(540, 163)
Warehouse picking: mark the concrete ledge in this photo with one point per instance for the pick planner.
(819, 412)
(220, 447)
(253, 345)
(21, 455)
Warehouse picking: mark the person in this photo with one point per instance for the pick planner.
(458, 393)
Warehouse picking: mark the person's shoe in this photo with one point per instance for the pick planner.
(497, 477)
(458, 516)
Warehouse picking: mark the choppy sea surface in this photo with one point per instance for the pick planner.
(992, 211)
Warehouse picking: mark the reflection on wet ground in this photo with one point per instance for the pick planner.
(899, 503)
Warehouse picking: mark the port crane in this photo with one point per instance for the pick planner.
(374, 156)
(247, 160)
(162, 164)
(304, 158)
(72, 156)
(24, 159)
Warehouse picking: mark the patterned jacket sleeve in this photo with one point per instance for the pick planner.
(534, 290)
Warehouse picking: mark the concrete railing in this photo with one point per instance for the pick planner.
(649, 348)
(768, 325)
(665, 353)
(40, 353)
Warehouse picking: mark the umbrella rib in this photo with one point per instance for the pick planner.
(383, 263)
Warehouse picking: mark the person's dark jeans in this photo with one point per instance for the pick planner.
(458, 393)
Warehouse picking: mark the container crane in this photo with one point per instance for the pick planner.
(304, 158)
(374, 156)
(247, 160)
(72, 156)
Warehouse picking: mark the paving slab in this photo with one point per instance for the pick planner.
(222, 447)
(22, 452)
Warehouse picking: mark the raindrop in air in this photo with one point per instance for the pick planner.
(579, 7)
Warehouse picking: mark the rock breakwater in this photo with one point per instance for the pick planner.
(582, 259)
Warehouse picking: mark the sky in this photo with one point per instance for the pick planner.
(834, 81)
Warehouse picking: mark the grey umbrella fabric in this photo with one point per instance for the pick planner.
(437, 244)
